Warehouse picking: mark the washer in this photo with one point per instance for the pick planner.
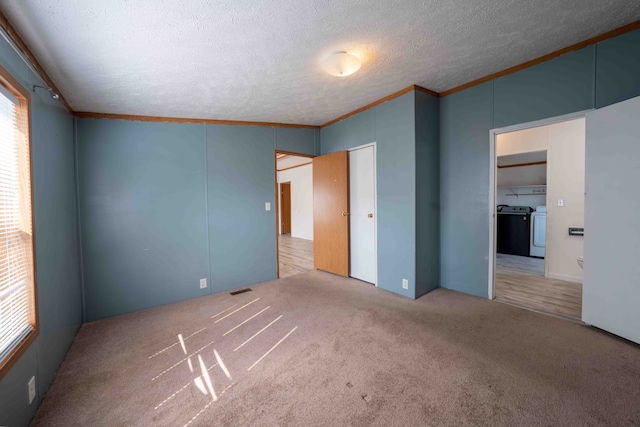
(538, 240)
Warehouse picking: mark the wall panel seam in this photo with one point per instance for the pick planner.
(78, 213)
(595, 75)
(206, 208)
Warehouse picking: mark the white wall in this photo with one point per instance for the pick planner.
(290, 161)
(565, 180)
(513, 180)
(514, 143)
(522, 175)
(532, 201)
(522, 141)
(301, 179)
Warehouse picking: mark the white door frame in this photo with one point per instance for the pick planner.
(375, 208)
(492, 180)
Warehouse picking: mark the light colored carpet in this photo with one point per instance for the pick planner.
(357, 356)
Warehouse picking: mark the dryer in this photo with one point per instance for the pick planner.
(514, 230)
(538, 239)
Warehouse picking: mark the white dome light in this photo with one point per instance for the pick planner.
(341, 64)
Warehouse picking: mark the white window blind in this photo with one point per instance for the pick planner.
(16, 255)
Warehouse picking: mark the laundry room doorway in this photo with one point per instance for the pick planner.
(537, 197)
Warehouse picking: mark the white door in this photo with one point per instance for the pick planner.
(611, 291)
(362, 219)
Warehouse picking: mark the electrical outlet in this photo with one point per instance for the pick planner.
(405, 284)
(203, 283)
(31, 385)
(560, 202)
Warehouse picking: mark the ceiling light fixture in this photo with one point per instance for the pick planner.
(341, 64)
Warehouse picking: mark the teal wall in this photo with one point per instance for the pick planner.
(427, 113)
(240, 178)
(618, 69)
(163, 205)
(143, 214)
(57, 252)
(465, 120)
(392, 125)
(297, 140)
(351, 132)
(593, 77)
(553, 88)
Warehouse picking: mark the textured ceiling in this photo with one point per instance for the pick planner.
(260, 60)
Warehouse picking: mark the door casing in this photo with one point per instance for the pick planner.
(493, 133)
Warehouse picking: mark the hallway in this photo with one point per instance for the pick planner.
(296, 255)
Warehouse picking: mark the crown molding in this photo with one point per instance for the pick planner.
(544, 58)
(4, 22)
(381, 101)
(90, 115)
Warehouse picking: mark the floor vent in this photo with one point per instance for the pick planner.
(241, 291)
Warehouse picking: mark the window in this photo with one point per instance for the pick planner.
(18, 314)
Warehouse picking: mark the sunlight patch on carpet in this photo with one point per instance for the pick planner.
(271, 349)
(257, 333)
(237, 310)
(175, 344)
(183, 360)
(223, 311)
(236, 327)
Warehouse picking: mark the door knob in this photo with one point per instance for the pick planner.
(370, 215)
(345, 213)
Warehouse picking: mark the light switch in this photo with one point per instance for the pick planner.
(267, 206)
(560, 202)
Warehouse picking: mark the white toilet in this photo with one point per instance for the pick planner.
(581, 262)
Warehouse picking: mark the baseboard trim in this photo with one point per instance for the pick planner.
(565, 278)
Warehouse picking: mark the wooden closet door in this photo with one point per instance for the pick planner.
(331, 213)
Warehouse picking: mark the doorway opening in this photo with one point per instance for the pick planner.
(537, 200)
(294, 213)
